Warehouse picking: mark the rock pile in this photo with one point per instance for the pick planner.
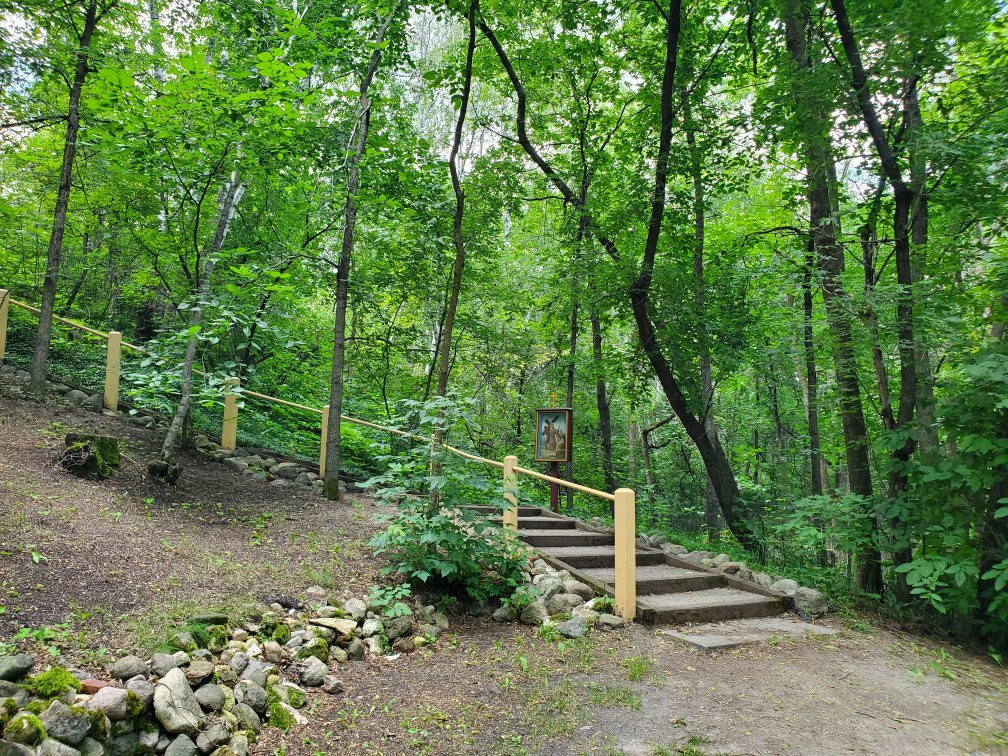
(244, 462)
(808, 600)
(211, 694)
(555, 598)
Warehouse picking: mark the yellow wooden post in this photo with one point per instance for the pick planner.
(229, 429)
(511, 492)
(4, 304)
(325, 436)
(113, 360)
(625, 581)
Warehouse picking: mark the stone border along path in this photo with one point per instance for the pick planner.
(212, 695)
(674, 586)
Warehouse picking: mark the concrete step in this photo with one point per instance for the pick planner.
(662, 579)
(549, 537)
(582, 557)
(711, 605)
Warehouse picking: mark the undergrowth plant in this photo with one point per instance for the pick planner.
(434, 538)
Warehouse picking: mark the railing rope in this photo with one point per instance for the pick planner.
(624, 503)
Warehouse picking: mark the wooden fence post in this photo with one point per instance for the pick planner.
(229, 429)
(510, 519)
(625, 581)
(4, 304)
(325, 438)
(113, 361)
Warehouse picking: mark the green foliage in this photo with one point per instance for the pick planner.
(391, 601)
(434, 538)
(53, 682)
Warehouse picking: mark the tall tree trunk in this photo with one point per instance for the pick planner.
(818, 162)
(601, 394)
(227, 202)
(332, 458)
(572, 362)
(40, 358)
(711, 518)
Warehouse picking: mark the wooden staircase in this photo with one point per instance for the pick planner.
(670, 591)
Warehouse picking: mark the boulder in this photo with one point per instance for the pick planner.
(578, 588)
(342, 627)
(355, 608)
(810, 601)
(762, 578)
(398, 627)
(181, 746)
(142, 690)
(697, 557)
(248, 692)
(198, 671)
(534, 613)
(549, 587)
(114, 703)
(372, 626)
(287, 471)
(355, 649)
(247, 718)
(313, 672)
(55, 748)
(26, 729)
(91, 747)
(211, 697)
(610, 621)
(563, 602)
(506, 613)
(14, 691)
(332, 685)
(175, 705)
(129, 667)
(7, 748)
(67, 724)
(214, 736)
(161, 663)
(730, 568)
(575, 627)
(785, 586)
(16, 666)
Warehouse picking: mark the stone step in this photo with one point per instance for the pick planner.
(662, 579)
(548, 537)
(582, 557)
(711, 605)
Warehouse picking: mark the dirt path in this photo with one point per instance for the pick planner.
(96, 569)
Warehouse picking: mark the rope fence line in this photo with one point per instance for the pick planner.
(623, 499)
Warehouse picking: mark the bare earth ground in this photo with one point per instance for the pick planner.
(111, 567)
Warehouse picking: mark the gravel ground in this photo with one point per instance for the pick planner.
(99, 569)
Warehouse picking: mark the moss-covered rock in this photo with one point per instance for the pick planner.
(25, 728)
(279, 717)
(317, 647)
(281, 634)
(53, 683)
(217, 638)
(91, 456)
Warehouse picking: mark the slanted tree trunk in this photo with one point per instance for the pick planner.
(227, 202)
(332, 458)
(818, 166)
(54, 259)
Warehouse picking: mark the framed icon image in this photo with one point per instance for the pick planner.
(553, 435)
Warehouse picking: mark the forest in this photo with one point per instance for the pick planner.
(757, 247)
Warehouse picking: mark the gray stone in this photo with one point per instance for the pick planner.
(238, 662)
(398, 627)
(549, 587)
(332, 685)
(273, 652)
(129, 667)
(239, 744)
(162, 744)
(372, 626)
(286, 470)
(15, 667)
(175, 705)
(198, 671)
(720, 559)
(785, 586)
(563, 602)
(124, 745)
(697, 557)
(506, 613)
(148, 739)
(76, 396)
(247, 718)
(121, 727)
(343, 627)
(143, 690)
(730, 568)
(316, 595)
(744, 573)
(810, 601)
(161, 663)
(66, 724)
(91, 747)
(575, 627)
(313, 672)
(184, 641)
(181, 746)
(355, 608)
(257, 671)
(306, 478)
(762, 578)
(7, 748)
(248, 692)
(15, 691)
(210, 697)
(534, 613)
(224, 675)
(581, 589)
(355, 649)
(610, 621)
(216, 734)
(238, 464)
(52, 747)
(112, 702)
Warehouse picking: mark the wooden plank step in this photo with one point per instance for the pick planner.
(539, 538)
(583, 557)
(495, 512)
(541, 523)
(711, 605)
(662, 579)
